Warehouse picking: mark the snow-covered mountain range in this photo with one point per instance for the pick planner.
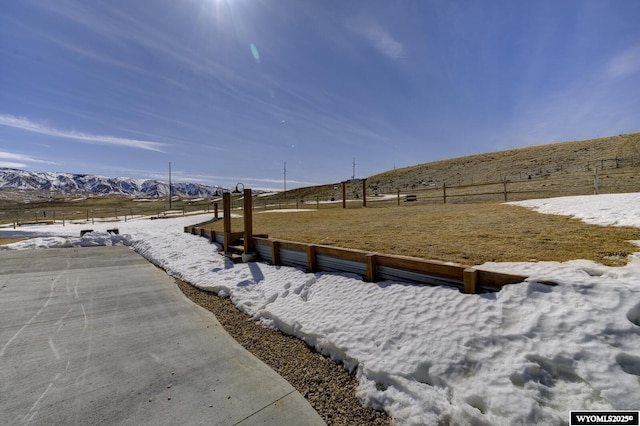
(81, 183)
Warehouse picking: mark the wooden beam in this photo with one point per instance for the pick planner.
(226, 211)
(422, 266)
(496, 280)
(364, 193)
(248, 222)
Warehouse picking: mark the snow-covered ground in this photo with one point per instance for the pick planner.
(429, 355)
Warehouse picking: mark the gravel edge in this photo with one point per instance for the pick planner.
(329, 388)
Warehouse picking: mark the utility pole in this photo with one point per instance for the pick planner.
(285, 180)
(170, 191)
(354, 168)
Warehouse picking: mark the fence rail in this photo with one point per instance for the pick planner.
(370, 265)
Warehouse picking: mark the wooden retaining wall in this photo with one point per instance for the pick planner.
(371, 266)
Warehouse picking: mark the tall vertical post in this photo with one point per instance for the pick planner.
(226, 211)
(444, 192)
(215, 210)
(364, 193)
(248, 222)
(344, 195)
(504, 182)
(170, 190)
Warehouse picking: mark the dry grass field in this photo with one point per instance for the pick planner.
(470, 234)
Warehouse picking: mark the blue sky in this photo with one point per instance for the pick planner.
(230, 90)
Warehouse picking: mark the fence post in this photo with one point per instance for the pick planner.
(470, 278)
(275, 252)
(398, 196)
(504, 182)
(344, 195)
(215, 210)
(226, 208)
(372, 267)
(248, 222)
(364, 193)
(312, 260)
(444, 192)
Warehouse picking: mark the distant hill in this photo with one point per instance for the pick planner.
(564, 159)
(89, 184)
(515, 164)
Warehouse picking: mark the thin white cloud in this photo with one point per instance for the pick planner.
(29, 126)
(19, 157)
(378, 37)
(624, 63)
(11, 165)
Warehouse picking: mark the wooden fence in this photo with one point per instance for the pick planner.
(371, 266)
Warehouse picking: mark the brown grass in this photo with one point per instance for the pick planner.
(465, 233)
(10, 240)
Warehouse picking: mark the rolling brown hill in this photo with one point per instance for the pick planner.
(573, 162)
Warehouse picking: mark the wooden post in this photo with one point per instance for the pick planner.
(364, 193)
(248, 222)
(344, 195)
(504, 182)
(226, 208)
(444, 191)
(372, 268)
(398, 197)
(215, 210)
(312, 260)
(470, 277)
(275, 252)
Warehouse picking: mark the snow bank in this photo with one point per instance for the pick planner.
(430, 355)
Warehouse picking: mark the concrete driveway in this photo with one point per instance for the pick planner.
(100, 336)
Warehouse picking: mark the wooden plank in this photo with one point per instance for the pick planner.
(263, 241)
(290, 245)
(422, 266)
(496, 280)
(342, 253)
(470, 280)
